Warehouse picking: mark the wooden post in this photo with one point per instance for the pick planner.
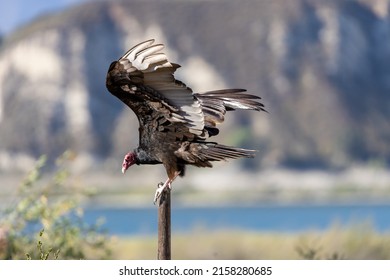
(164, 226)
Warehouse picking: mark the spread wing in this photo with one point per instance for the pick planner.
(143, 79)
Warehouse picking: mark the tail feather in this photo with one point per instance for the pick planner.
(202, 153)
(217, 152)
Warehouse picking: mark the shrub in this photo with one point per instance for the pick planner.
(46, 221)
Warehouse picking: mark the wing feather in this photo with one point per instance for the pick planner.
(216, 103)
(143, 78)
(168, 110)
(148, 68)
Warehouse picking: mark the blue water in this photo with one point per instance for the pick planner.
(133, 221)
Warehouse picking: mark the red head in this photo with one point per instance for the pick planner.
(129, 160)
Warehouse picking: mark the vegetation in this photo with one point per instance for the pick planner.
(357, 242)
(46, 222)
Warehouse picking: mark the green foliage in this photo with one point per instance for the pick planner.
(45, 222)
(44, 255)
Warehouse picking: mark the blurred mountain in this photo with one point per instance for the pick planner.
(321, 68)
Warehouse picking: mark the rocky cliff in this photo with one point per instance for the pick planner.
(321, 68)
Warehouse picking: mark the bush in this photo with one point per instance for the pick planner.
(45, 222)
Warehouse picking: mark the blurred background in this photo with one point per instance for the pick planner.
(322, 171)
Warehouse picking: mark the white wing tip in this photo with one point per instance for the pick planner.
(146, 56)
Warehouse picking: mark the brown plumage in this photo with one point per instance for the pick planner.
(174, 122)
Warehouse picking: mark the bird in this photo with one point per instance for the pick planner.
(174, 122)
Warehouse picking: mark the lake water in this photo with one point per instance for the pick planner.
(135, 221)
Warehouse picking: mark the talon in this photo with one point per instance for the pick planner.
(158, 196)
(159, 192)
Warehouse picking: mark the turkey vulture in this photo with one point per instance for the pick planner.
(174, 122)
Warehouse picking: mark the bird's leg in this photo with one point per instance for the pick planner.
(162, 187)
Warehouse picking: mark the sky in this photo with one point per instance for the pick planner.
(14, 13)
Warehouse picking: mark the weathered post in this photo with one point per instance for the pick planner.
(164, 226)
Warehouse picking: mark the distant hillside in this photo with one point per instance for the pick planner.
(321, 67)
